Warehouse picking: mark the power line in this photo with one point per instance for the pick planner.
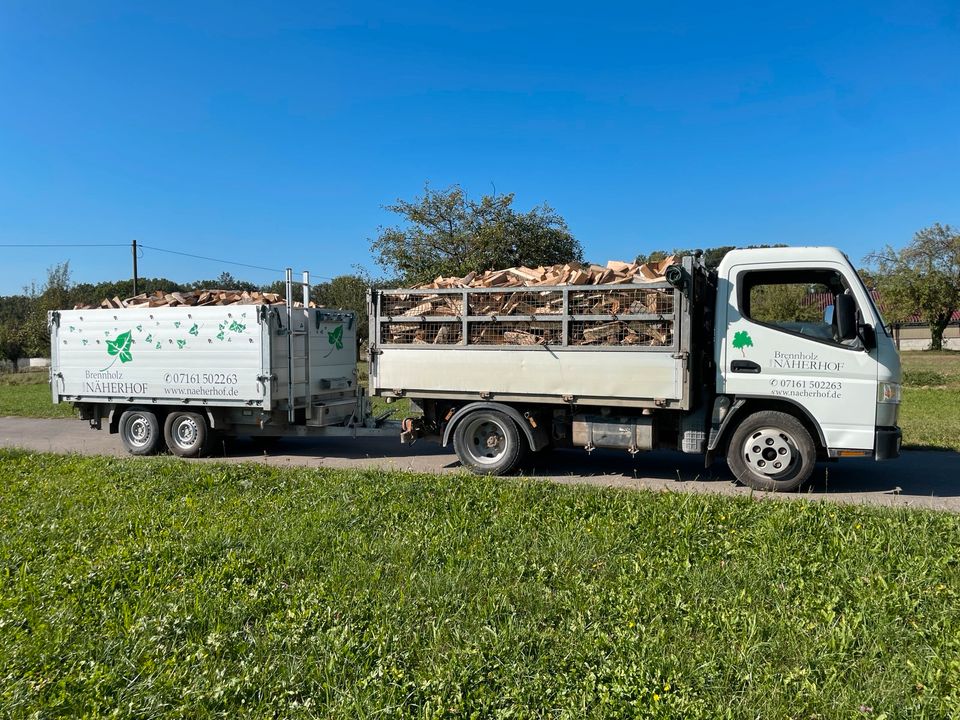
(226, 262)
(158, 249)
(210, 259)
(61, 245)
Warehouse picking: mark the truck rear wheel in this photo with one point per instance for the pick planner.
(488, 443)
(186, 434)
(772, 450)
(139, 431)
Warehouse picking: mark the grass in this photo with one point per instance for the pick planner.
(28, 395)
(157, 588)
(930, 413)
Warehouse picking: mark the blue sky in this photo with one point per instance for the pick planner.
(273, 133)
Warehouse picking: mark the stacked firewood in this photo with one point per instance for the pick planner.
(614, 273)
(526, 307)
(190, 298)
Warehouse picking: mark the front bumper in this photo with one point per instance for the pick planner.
(886, 443)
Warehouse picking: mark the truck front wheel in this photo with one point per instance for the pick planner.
(140, 431)
(772, 450)
(488, 442)
(186, 434)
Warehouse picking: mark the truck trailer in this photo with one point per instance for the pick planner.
(732, 363)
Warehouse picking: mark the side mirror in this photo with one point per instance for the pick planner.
(845, 312)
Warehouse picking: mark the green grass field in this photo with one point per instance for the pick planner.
(159, 588)
(28, 395)
(930, 413)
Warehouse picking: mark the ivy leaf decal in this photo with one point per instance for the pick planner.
(335, 337)
(120, 346)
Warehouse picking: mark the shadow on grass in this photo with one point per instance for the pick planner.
(918, 473)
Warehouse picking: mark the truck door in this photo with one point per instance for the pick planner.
(782, 342)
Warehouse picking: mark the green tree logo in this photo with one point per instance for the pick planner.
(119, 348)
(742, 340)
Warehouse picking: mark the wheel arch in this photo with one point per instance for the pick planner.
(535, 439)
(743, 406)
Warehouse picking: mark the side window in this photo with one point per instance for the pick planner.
(796, 301)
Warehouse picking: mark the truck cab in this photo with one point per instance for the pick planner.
(790, 371)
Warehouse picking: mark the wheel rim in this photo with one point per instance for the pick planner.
(771, 452)
(185, 432)
(486, 441)
(139, 431)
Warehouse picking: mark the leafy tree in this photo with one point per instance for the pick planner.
(34, 336)
(922, 279)
(741, 340)
(447, 233)
(346, 292)
(226, 281)
(711, 256)
(786, 302)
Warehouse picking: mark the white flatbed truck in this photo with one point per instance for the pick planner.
(701, 362)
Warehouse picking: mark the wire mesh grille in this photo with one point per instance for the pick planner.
(415, 304)
(516, 333)
(628, 301)
(424, 333)
(517, 302)
(636, 333)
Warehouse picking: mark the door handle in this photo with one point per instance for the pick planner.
(744, 366)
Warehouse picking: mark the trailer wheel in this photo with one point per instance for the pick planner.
(488, 443)
(140, 431)
(186, 434)
(772, 450)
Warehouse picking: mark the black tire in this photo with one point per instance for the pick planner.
(140, 431)
(488, 443)
(772, 450)
(186, 433)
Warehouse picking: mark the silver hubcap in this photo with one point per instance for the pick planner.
(770, 452)
(138, 431)
(486, 441)
(185, 432)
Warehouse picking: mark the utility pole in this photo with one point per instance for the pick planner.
(135, 267)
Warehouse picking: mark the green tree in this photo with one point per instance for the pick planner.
(742, 340)
(226, 281)
(711, 256)
(34, 334)
(346, 292)
(784, 303)
(922, 279)
(447, 233)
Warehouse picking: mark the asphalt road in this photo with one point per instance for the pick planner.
(923, 479)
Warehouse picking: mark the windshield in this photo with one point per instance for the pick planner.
(876, 310)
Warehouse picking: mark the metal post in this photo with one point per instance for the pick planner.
(135, 267)
(291, 414)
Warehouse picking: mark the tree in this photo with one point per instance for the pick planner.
(226, 281)
(346, 292)
(447, 233)
(922, 279)
(34, 336)
(741, 340)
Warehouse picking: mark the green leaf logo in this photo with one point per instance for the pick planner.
(335, 337)
(742, 340)
(119, 347)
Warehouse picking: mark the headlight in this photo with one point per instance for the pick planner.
(888, 393)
